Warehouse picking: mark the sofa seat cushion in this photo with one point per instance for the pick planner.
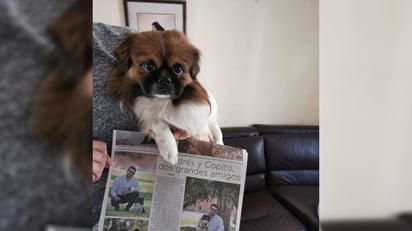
(262, 212)
(366, 225)
(301, 200)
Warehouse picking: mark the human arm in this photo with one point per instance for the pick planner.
(135, 186)
(115, 187)
(220, 226)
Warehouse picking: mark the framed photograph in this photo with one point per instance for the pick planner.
(146, 15)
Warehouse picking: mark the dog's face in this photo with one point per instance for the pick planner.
(158, 65)
(163, 63)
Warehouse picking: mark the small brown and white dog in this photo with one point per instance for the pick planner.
(155, 79)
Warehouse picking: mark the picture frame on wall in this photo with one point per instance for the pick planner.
(147, 15)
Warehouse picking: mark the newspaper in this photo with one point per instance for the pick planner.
(203, 191)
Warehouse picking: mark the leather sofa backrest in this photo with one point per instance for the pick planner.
(277, 154)
(292, 154)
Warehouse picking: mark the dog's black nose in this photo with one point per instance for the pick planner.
(165, 82)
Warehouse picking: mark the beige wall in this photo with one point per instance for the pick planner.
(259, 59)
(109, 11)
(365, 108)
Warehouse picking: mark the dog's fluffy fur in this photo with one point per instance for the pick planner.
(155, 80)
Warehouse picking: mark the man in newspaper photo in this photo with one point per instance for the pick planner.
(211, 222)
(125, 189)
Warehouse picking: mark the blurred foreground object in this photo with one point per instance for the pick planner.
(62, 105)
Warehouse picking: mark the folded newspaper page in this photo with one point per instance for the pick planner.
(202, 192)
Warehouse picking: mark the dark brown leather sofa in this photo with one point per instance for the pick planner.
(282, 183)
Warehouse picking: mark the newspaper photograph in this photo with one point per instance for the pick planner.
(202, 192)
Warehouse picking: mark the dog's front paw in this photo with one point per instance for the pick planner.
(220, 142)
(166, 142)
(169, 155)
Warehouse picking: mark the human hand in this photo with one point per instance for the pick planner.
(117, 199)
(181, 135)
(100, 159)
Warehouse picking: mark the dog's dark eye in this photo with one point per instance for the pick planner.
(148, 66)
(178, 69)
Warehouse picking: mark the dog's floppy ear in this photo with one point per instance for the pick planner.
(118, 84)
(122, 53)
(195, 68)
